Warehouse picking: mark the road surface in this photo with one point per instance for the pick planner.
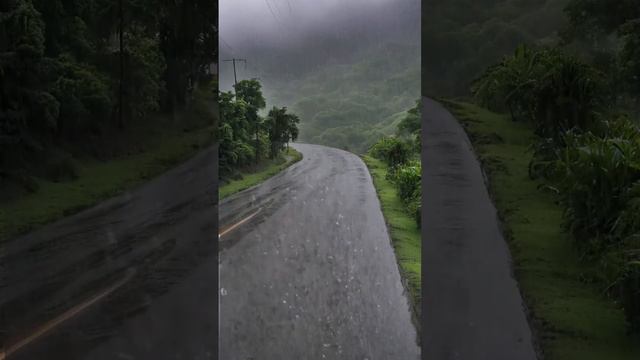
(112, 263)
(472, 305)
(306, 269)
(314, 275)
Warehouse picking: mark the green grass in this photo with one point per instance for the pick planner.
(573, 318)
(251, 177)
(405, 234)
(96, 182)
(164, 147)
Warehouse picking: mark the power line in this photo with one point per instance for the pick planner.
(277, 6)
(274, 14)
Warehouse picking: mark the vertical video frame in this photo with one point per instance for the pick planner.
(531, 147)
(319, 159)
(108, 179)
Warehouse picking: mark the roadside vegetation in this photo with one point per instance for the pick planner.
(254, 175)
(96, 99)
(252, 147)
(571, 314)
(394, 164)
(570, 144)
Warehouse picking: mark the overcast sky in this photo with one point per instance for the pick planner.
(287, 19)
(306, 31)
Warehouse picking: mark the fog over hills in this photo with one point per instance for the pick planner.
(346, 67)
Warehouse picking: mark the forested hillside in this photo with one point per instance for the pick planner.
(352, 105)
(460, 38)
(92, 79)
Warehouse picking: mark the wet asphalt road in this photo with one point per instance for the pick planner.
(471, 302)
(152, 238)
(312, 275)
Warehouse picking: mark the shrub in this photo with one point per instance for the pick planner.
(392, 151)
(407, 179)
(598, 179)
(553, 90)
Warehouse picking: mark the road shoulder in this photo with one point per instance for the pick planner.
(572, 318)
(250, 178)
(404, 234)
(471, 298)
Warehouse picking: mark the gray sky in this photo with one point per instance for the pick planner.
(283, 20)
(301, 34)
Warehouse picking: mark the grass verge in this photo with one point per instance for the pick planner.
(571, 315)
(249, 177)
(163, 148)
(404, 232)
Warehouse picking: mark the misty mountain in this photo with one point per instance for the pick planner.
(349, 75)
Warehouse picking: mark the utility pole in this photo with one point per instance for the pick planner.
(235, 77)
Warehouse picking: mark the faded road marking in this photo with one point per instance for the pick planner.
(232, 227)
(65, 316)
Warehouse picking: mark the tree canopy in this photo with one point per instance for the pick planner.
(69, 68)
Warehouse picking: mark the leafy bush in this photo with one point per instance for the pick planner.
(407, 178)
(557, 92)
(392, 150)
(598, 181)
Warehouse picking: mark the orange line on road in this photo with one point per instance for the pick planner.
(65, 316)
(230, 228)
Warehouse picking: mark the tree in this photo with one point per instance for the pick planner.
(292, 128)
(282, 128)
(188, 39)
(250, 92)
(593, 18)
(630, 56)
(233, 133)
(28, 112)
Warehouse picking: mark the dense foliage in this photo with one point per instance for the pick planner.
(401, 155)
(75, 74)
(245, 137)
(461, 38)
(588, 145)
(392, 150)
(555, 91)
